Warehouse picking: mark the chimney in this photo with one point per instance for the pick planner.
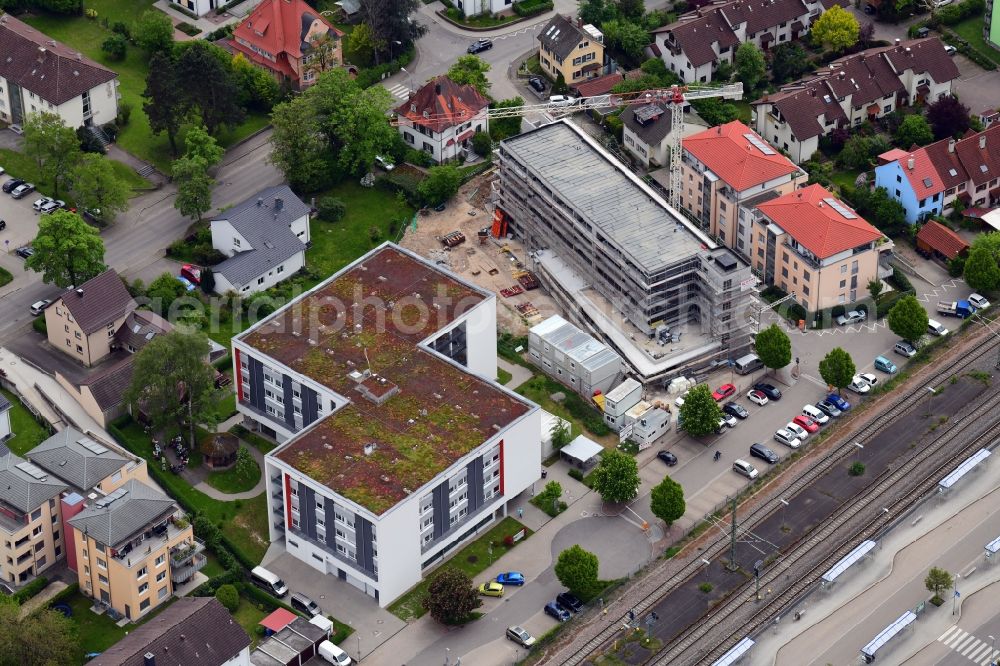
(982, 141)
(910, 162)
(79, 292)
(278, 204)
(437, 88)
(819, 204)
(897, 41)
(951, 145)
(260, 201)
(149, 659)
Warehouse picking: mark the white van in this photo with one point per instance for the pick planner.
(333, 654)
(744, 365)
(935, 328)
(268, 582)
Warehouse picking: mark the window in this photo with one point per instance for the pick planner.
(141, 572)
(160, 576)
(143, 587)
(161, 593)
(102, 578)
(161, 559)
(143, 605)
(236, 242)
(36, 514)
(102, 564)
(35, 532)
(260, 280)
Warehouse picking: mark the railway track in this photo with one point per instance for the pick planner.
(873, 427)
(854, 521)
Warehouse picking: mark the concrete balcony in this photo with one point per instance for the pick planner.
(180, 575)
(182, 554)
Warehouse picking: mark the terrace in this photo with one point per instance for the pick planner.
(412, 414)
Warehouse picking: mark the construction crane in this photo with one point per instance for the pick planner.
(674, 98)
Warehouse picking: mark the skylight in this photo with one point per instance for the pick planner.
(927, 182)
(840, 208)
(952, 172)
(92, 446)
(758, 144)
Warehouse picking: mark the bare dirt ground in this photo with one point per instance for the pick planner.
(468, 212)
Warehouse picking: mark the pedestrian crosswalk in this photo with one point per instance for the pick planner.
(400, 92)
(975, 650)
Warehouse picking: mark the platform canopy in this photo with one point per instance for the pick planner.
(993, 546)
(963, 469)
(848, 561)
(735, 654)
(889, 633)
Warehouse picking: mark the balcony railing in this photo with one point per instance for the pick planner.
(179, 575)
(180, 555)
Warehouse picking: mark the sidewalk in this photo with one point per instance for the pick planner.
(518, 373)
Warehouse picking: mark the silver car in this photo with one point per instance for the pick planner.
(787, 438)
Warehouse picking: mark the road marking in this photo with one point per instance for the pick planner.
(943, 637)
(979, 653)
(400, 92)
(962, 644)
(972, 647)
(990, 657)
(953, 641)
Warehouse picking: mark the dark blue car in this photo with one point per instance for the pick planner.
(511, 578)
(557, 611)
(838, 402)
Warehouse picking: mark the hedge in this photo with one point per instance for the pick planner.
(31, 589)
(371, 75)
(224, 363)
(39, 325)
(899, 280)
(71, 590)
(532, 7)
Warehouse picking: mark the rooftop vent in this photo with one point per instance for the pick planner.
(370, 448)
(79, 292)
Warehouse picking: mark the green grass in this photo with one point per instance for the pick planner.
(27, 432)
(971, 30)
(244, 522)
(6, 277)
(226, 407)
(540, 387)
(231, 481)
(334, 245)
(22, 166)
(844, 179)
(503, 376)
(99, 632)
(743, 110)
(212, 567)
(249, 616)
(260, 443)
(472, 559)
(87, 35)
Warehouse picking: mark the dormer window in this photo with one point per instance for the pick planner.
(413, 107)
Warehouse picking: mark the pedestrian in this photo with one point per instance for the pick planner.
(520, 512)
(718, 454)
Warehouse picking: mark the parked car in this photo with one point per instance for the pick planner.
(852, 317)
(868, 377)
(978, 302)
(787, 437)
(679, 402)
(769, 390)
(736, 410)
(667, 457)
(859, 385)
(757, 397)
(885, 365)
(797, 430)
(816, 414)
(950, 50)
(569, 601)
(301, 602)
(511, 578)
(561, 100)
(38, 203)
(904, 348)
(810, 424)
(24, 251)
(828, 408)
(520, 636)
(22, 191)
(384, 162)
(52, 206)
(9, 186)
(933, 327)
(192, 273)
(537, 83)
(723, 392)
(728, 420)
(188, 285)
(764, 453)
(481, 44)
(741, 466)
(839, 402)
(491, 589)
(38, 307)
(558, 612)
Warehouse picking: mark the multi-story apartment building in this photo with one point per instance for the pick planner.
(5, 431)
(815, 247)
(442, 117)
(929, 180)
(853, 89)
(723, 169)
(133, 548)
(693, 46)
(632, 269)
(573, 357)
(571, 50)
(398, 445)
(30, 536)
(39, 74)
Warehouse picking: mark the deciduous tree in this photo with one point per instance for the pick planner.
(596, 12)
(631, 9)
(837, 368)
(907, 318)
(451, 597)
(773, 347)
(836, 29)
(199, 144)
(666, 501)
(616, 478)
(194, 186)
(471, 70)
(750, 66)
(788, 61)
(981, 270)
(913, 130)
(96, 186)
(298, 146)
(42, 638)
(323, 53)
(154, 32)
(875, 288)
(577, 569)
(228, 597)
(258, 89)
(441, 184)
(714, 111)
(560, 433)
(937, 581)
(631, 38)
(164, 100)
(209, 84)
(68, 251)
(390, 22)
(502, 128)
(948, 117)
(53, 146)
(163, 291)
(700, 413)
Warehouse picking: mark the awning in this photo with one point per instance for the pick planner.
(582, 449)
(873, 109)
(590, 67)
(924, 89)
(467, 134)
(992, 218)
(797, 26)
(767, 37)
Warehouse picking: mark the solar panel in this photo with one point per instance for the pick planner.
(647, 113)
(840, 208)
(759, 145)
(32, 470)
(116, 495)
(92, 446)
(952, 172)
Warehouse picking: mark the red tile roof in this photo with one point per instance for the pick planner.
(282, 28)
(599, 86)
(923, 176)
(808, 216)
(947, 163)
(38, 63)
(942, 239)
(728, 152)
(442, 103)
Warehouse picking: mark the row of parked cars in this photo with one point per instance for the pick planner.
(562, 608)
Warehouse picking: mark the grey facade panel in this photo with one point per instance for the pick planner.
(474, 481)
(286, 384)
(307, 510)
(441, 510)
(310, 406)
(363, 532)
(255, 370)
(331, 517)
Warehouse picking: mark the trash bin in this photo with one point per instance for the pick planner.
(545, 473)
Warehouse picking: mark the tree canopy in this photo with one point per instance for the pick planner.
(577, 569)
(914, 130)
(948, 117)
(451, 596)
(982, 271)
(42, 638)
(53, 146)
(389, 21)
(836, 29)
(700, 413)
(937, 581)
(194, 186)
(773, 347)
(471, 70)
(441, 184)
(68, 251)
(750, 66)
(153, 31)
(907, 318)
(837, 368)
(666, 501)
(616, 478)
(789, 61)
(96, 186)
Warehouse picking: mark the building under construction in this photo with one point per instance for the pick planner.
(623, 263)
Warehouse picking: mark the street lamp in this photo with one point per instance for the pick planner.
(447, 656)
(993, 651)
(784, 509)
(409, 78)
(956, 595)
(359, 647)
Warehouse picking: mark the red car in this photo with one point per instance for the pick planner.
(724, 392)
(806, 422)
(191, 272)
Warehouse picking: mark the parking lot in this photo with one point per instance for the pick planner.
(22, 221)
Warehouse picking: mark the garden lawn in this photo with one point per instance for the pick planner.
(226, 407)
(87, 35)
(262, 444)
(20, 165)
(231, 481)
(99, 632)
(243, 522)
(369, 210)
(971, 30)
(539, 388)
(503, 376)
(249, 616)
(6, 277)
(845, 179)
(473, 559)
(212, 567)
(27, 432)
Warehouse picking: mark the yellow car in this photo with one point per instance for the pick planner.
(491, 589)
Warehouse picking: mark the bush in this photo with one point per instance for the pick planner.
(899, 280)
(576, 474)
(331, 209)
(116, 46)
(706, 587)
(857, 468)
(372, 75)
(188, 29)
(124, 113)
(482, 144)
(39, 325)
(228, 596)
(532, 7)
(31, 589)
(111, 130)
(122, 29)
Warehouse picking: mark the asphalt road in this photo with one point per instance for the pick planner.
(140, 235)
